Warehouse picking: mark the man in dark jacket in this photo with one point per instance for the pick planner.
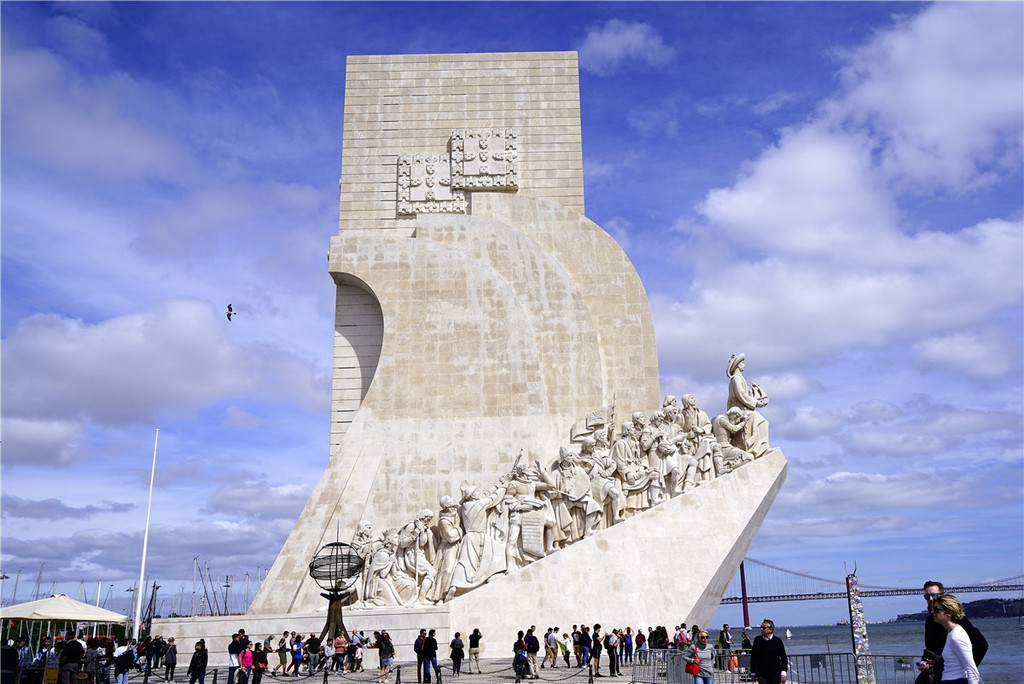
(768, 661)
(197, 666)
(418, 648)
(234, 653)
(313, 653)
(935, 636)
(429, 649)
(586, 642)
(532, 649)
(70, 659)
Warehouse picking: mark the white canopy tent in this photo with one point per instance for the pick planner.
(60, 608)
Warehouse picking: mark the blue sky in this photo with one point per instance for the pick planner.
(833, 188)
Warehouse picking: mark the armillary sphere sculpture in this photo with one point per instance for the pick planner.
(335, 568)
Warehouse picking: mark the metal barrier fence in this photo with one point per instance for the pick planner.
(668, 667)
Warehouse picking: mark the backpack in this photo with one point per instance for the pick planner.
(124, 662)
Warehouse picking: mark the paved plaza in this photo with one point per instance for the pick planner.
(493, 671)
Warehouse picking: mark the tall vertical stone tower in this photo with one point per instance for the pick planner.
(480, 315)
(472, 322)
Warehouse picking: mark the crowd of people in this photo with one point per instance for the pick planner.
(295, 654)
(101, 657)
(954, 648)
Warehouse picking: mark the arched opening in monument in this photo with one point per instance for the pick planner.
(358, 335)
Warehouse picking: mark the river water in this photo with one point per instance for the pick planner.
(1003, 664)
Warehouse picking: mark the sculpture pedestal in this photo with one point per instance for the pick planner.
(648, 570)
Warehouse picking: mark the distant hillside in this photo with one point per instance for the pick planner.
(985, 608)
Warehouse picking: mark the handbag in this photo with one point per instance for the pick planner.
(694, 668)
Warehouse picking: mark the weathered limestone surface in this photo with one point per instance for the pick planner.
(410, 104)
(485, 333)
(480, 314)
(645, 571)
(647, 563)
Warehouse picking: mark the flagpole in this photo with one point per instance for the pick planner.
(145, 543)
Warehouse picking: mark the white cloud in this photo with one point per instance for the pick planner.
(660, 121)
(236, 417)
(942, 91)
(965, 421)
(40, 441)
(211, 222)
(258, 499)
(173, 360)
(122, 370)
(811, 254)
(893, 443)
(79, 40)
(55, 117)
(787, 386)
(980, 358)
(54, 509)
(811, 194)
(618, 44)
(875, 410)
(593, 169)
(837, 527)
(113, 553)
(844, 493)
(784, 310)
(774, 102)
(811, 422)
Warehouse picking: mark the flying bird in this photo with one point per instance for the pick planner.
(230, 312)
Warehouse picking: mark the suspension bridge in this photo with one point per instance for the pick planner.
(756, 582)
(759, 582)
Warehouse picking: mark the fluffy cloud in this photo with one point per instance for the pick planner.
(78, 39)
(980, 358)
(810, 422)
(875, 410)
(811, 254)
(258, 499)
(893, 443)
(618, 44)
(213, 222)
(114, 554)
(810, 194)
(839, 527)
(788, 386)
(774, 102)
(943, 92)
(34, 440)
(122, 370)
(62, 373)
(963, 422)
(56, 117)
(655, 121)
(795, 309)
(846, 493)
(54, 509)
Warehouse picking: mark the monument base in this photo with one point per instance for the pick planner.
(697, 539)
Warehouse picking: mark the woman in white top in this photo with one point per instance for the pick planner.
(957, 656)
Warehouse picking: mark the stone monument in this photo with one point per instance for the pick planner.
(488, 338)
